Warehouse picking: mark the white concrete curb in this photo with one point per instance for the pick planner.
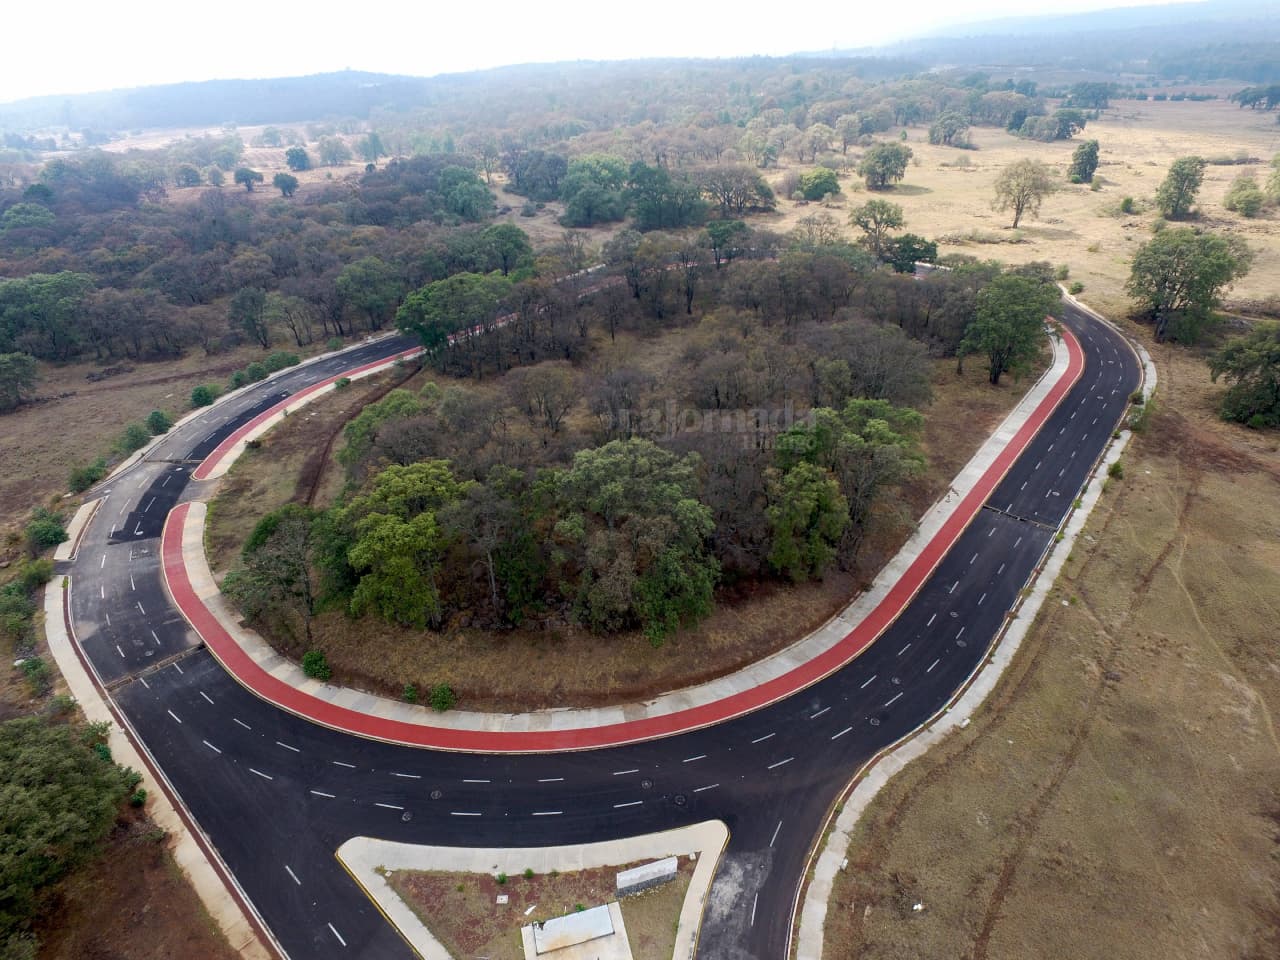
(127, 749)
(569, 718)
(69, 547)
(366, 859)
(880, 769)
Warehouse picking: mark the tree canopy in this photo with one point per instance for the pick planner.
(1178, 276)
(1009, 328)
(884, 164)
(1021, 186)
(1252, 365)
(1177, 193)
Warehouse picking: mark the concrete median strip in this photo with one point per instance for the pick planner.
(256, 666)
(369, 860)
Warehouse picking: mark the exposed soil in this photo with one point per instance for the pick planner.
(462, 912)
(1119, 794)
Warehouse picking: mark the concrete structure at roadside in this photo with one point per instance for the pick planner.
(594, 934)
(647, 875)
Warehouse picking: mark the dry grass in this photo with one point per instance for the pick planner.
(1119, 794)
(1077, 226)
(461, 909)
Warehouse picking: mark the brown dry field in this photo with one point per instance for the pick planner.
(1076, 226)
(491, 670)
(1119, 794)
(461, 911)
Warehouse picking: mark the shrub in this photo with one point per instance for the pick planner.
(1062, 272)
(502, 878)
(1126, 205)
(1116, 471)
(316, 665)
(442, 697)
(35, 574)
(44, 530)
(410, 693)
(158, 422)
(342, 383)
(528, 873)
(139, 798)
(333, 343)
(135, 437)
(279, 360)
(1076, 287)
(38, 675)
(204, 395)
(255, 371)
(82, 478)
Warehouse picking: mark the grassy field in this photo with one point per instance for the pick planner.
(570, 667)
(462, 912)
(1118, 796)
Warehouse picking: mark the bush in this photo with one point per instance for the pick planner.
(442, 697)
(316, 665)
(237, 380)
(1126, 205)
(528, 873)
(38, 675)
(342, 383)
(255, 371)
(410, 693)
(502, 878)
(204, 395)
(279, 360)
(45, 530)
(139, 798)
(135, 437)
(35, 574)
(1076, 287)
(333, 343)
(82, 478)
(158, 422)
(1062, 272)
(1116, 471)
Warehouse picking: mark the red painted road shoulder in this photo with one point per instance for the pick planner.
(258, 681)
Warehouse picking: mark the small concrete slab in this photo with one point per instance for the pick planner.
(572, 929)
(562, 938)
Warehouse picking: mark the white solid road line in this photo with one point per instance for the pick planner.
(774, 838)
(293, 875)
(337, 934)
(633, 803)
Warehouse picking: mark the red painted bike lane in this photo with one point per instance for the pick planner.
(258, 681)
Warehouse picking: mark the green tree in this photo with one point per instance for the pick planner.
(203, 395)
(361, 432)
(247, 310)
(1178, 276)
(333, 151)
(458, 304)
(1009, 328)
(371, 287)
(884, 164)
(807, 516)
(949, 129)
(286, 183)
(18, 378)
(370, 147)
(876, 218)
(42, 314)
(276, 578)
(1273, 181)
(187, 176)
(1252, 364)
(1245, 197)
(726, 238)
(630, 518)
(1084, 162)
(818, 183)
(27, 216)
(1021, 186)
(905, 251)
(509, 245)
(247, 178)
(158, 422)
(297, 159)
(44, 530)
(1177, 193)
(58, 801)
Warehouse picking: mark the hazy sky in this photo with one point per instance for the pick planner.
(75, 46)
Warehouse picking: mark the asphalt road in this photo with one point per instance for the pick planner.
(278, 795)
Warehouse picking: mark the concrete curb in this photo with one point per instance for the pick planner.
(825, 862)
(194, 854)
(196, 594)
(68, 549)
(365, 858)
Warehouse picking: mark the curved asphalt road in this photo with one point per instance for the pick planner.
(277, 795)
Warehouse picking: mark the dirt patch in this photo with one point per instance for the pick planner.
(1119, 793)
(462, 912)
(132, 902)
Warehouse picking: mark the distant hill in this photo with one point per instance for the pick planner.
(1213, 40)
(281, 100)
